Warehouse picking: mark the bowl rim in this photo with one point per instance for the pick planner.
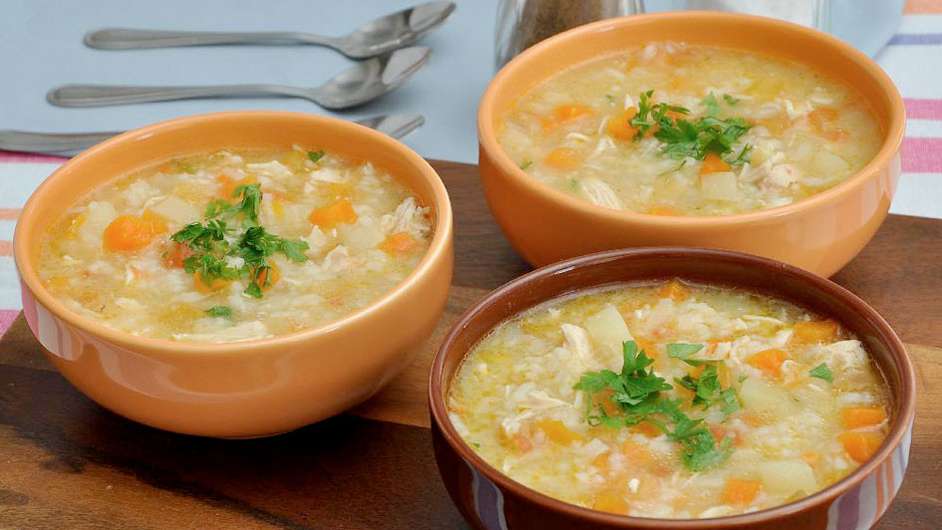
(487, 135)
(438, 387)
(439, 246)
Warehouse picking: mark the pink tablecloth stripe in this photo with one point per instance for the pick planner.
(6, 318)
(923, 109)
(922, 155)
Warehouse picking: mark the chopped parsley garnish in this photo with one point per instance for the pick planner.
(219, 253)
(220, 311)
(730, 100)
(526, 164)
(822, 372)
(315, 156)
(635, 395)
(685, 138)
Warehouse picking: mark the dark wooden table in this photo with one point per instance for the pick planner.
(67, 463)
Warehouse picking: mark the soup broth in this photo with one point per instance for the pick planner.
(671, 400)
(690, 130)
(235, 245)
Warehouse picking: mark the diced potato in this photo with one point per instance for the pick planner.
(608, 331)
(761, 397)
(788, 477)
(720, 186)
(176, 210)
(827, 163)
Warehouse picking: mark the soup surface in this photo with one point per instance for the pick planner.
(235, 245)
(676, 129)
(671, 400)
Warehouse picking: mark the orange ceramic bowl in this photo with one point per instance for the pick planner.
(490, 500)
(821, 233)
(243, 389)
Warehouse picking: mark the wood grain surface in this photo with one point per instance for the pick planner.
(67, 463)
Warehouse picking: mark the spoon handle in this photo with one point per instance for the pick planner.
(395, 125)
(133, 39)
(51, 143)
(104, 95)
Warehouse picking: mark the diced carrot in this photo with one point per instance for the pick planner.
(128, 233)
(521, 443)
(769, 361)
(267, 278)
(176, 255)
(603, 398)
(674, 290)
(337, 213)
(563, 158)
(752, 419)
(822, 117)
(836, 134)
(227, 186)
(641, 456)
(695, 371)
(776, 125)
(719, 433)
(557, 431)
(619, 126)
(822, 122)
(399, 243)
(815, 332)
(811, 458)
(611, 502)
(857, 417)
(208, 287)
(565, 113)
(601, 462)
(860, 445)
(662, 210)
(712, 163)
(647, 428)
(740, 492)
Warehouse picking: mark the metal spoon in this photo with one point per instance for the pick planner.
(69, 144)
(364, 82)
(374, 38)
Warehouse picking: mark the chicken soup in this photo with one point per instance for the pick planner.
(235, 245)
(690, 130)
(671, 400)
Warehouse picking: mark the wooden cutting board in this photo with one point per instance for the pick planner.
(67, 463)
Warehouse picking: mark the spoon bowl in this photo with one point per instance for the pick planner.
(377, 37)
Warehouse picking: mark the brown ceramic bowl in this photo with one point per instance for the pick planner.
(492, 501)
(821, 233)
(242, 389)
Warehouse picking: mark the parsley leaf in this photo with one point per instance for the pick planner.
(220, 311)
(711, 105)
(730, 100)
(822, 372)
(315, 156)
(251, 201)
(526, 164)
(679, 350)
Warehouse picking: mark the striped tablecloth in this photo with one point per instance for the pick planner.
(913, 59)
